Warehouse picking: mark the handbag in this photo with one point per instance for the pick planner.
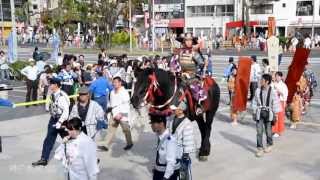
(265, 110)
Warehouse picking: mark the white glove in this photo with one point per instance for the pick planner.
(58, 125)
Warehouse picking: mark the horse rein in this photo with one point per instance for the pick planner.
(154, 84)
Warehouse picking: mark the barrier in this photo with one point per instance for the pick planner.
(39, 101)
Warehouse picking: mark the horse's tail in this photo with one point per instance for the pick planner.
(214, 95)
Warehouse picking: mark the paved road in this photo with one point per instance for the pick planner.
(295, 155)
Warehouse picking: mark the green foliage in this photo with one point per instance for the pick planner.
(16, 67)
(282, 40)
(122, 38)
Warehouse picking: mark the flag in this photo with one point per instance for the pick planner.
(10, 48)
(239, 102)
(295, 70)
(55, 45)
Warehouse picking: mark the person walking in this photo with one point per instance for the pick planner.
(59, 111)
(78, 154)
(231, 88)
(120, 109)
(89, 112)
(265, 107)
(282, 91)
(181, 128)
(100, 89)
(255, 74)
(31, 72)
(166, 165)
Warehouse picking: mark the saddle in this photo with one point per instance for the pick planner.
(192, 94)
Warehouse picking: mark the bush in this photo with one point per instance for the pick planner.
(16, 67)
(122, 38)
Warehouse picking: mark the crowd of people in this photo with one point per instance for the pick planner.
(268, 97)
(84, 98)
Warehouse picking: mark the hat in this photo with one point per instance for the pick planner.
(55, 80)
(182, 105)
(113, 61)
(83, 90)
(31, 60)
(157, 118)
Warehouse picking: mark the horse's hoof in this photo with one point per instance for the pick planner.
(203, 158)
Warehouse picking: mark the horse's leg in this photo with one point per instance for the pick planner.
(206, 133)
(206, 125)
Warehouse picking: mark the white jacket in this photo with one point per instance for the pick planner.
(95, 113)
(81, 158)
(184, 136)
(120, 103)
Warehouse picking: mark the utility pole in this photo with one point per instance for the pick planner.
(153, 24)
(130, 25)
(14, 29)
(312, 29)
(2, 34)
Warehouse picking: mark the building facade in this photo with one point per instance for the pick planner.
(208, 18)
(291, 15)
(169, 16)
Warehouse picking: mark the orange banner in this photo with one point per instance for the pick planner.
(271, 26)
(295, 70)
(239, 101)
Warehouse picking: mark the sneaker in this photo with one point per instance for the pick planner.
(128, 147)
(293, 126)
(268, 149)
(275, 135)
(234, 123)
(41, 162)
(103, 148)
(259, 153)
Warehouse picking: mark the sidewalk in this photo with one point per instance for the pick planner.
(295, 156)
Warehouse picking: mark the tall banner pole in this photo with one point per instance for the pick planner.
(14, 30)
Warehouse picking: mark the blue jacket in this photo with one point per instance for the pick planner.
(100, 87)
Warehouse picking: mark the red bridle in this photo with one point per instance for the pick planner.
(154, 90)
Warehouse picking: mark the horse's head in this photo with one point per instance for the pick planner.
(154, 86)
(141, 86)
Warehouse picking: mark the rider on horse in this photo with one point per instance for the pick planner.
(193, 65)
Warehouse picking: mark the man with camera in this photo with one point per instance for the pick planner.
(265, 107)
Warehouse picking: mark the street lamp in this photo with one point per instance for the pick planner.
(130, 25)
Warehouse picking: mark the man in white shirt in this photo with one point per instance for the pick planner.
(255, 74)
(31, 72)
(120, 105)
(79, 154)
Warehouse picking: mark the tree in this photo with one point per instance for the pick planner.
(22, 13)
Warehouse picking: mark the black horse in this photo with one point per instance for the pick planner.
(160, 89)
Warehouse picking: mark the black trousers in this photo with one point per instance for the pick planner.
(158, 175)
(32, 90)
(253, 88)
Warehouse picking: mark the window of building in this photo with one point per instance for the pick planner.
(262, 9)
(225, 10)
(304, 8)
(283, 5)
(35, 7)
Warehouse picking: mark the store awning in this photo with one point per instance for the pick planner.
(236, 24)
(176, 23)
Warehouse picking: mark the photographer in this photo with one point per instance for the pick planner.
(265, 106)
(79, 154)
